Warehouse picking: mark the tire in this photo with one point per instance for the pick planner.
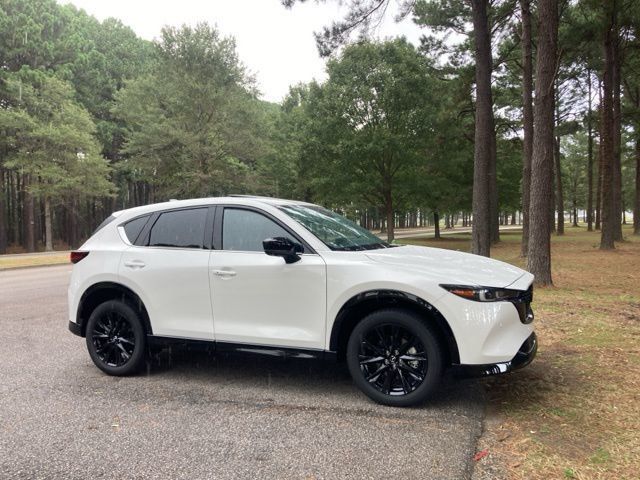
(394, 358)
(116, 339)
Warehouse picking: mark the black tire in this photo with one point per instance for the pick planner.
(116, 339)
(394, 358)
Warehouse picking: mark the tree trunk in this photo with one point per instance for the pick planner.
(589, 159)
(636, 208)
(608, 189)
(436, 223)
(559, 193)
(48, 229)
(539, 255)
(527, 119)
(617, 139)
(3, 216)
(388, 207)
(481, 232)
(493, 185)
(29, 218)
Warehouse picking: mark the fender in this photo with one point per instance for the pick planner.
(103, 291)
(365, 302)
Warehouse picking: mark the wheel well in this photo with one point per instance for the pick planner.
(364, 303)
(105, 291)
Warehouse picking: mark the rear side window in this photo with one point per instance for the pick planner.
(134, 227)
(179, 228)
(244, 230)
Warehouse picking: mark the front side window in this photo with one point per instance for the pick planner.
(332, 229)
(244, 230)
(179, 228)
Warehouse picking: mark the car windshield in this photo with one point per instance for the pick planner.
(334, 230)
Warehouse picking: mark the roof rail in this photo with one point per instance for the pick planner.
(247, 196)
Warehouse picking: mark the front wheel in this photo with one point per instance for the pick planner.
(394, 358)
(115, 338)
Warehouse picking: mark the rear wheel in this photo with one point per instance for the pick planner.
(394, 358)
(115, 338)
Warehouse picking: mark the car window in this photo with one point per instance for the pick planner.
(179, 228)
(133, 228)
(335, 231)
(244, 230)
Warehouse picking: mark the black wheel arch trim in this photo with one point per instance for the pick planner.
(379, 298)
(127, 295)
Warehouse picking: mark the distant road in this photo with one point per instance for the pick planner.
(429, 231)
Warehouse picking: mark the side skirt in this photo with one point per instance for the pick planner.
(243, 348)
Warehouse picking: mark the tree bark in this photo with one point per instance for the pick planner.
(29, 218)
(493, 185)
(436, 223)
(388, 207)
(589, 159)
(559, 193)
(48, 228)
(484, 129)
(636, 208)
(539, 255)
(3, 216)
(527, 119)
(617, 138)
(608, 213)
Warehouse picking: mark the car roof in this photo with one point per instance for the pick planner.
(249, 200)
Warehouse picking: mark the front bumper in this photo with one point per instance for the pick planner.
(525, 355)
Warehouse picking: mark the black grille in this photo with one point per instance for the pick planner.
(523, 305)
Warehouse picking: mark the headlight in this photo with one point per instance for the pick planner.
(484, 294)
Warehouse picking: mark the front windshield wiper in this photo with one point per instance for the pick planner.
(376, 246)
(355, 248)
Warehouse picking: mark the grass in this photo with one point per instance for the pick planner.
(7, 263)
(575, 411)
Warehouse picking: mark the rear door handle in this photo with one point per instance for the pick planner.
(224, 273)
(134, 264)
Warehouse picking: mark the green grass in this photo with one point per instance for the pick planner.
(22, 261)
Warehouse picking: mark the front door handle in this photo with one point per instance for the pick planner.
(134, 264)
(224, 273)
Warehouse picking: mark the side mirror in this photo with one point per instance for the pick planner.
(283, 247)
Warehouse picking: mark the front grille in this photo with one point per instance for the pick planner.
(523, 305)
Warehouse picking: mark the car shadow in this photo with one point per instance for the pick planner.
(245, 374)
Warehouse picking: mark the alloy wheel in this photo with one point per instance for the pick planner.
(392, 359)
(114, 339)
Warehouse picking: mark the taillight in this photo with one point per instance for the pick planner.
(76, 256)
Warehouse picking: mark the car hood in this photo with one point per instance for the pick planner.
(450, 266)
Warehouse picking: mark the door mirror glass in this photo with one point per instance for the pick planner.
(283, 247)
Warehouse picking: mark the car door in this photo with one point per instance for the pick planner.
(167, 266)
(260, 299)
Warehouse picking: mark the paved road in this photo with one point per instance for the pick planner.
(193, 416)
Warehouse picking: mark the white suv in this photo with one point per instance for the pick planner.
(281, 277)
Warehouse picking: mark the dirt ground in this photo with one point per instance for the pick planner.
(575, 411)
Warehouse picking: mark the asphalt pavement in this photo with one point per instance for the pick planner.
(197, 416)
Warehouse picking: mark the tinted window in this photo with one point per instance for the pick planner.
(244, 230)
(133, 228)
(179, 228)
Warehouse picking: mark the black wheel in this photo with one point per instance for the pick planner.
(394, 358)
(115, 338)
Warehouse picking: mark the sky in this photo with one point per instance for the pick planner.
(275, 44)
